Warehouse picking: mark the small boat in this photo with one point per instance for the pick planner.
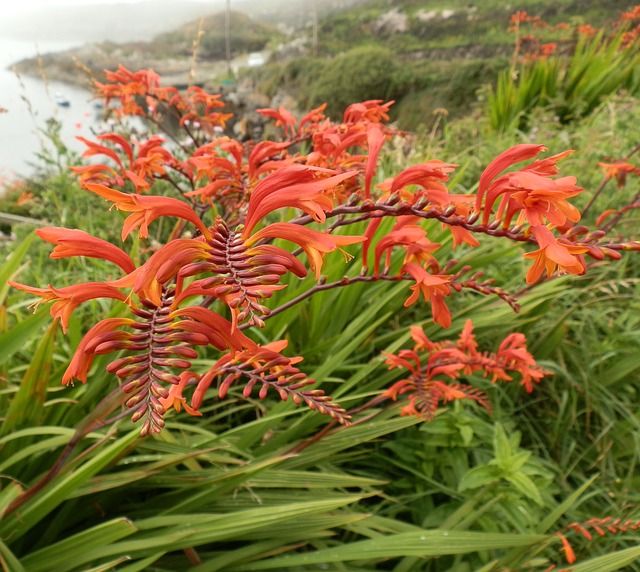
(61, 100)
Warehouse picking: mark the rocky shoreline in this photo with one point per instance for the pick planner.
(83, 66)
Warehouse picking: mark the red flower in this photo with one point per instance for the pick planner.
(71, 242)
(147, 209)
(412, 237)
(315, 244)
(67, 299)
(434, 288)
(175, 399)
(500, 163)
(82, 360)
(293, 186)
(554, 254)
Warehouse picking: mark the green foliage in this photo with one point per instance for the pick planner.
(572, 87)
(366, 72)
(210, 35)
(240, 490)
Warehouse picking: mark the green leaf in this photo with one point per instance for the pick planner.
(78, 549)
(423, 543)
(8, 494)
(479, 477)
(609, 562)
(27, 406)
(518, 460)
(141, 565)
(58, 490)
(8, 560)
(11, 268)
(466, 433)
(108, 566)
(15, 339)
(501, 447)
(525, 486)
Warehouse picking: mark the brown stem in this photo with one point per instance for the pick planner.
(367, 211)
(345, 281)
(592, 200)
(327, 428)
(616, 218)
(603, 185)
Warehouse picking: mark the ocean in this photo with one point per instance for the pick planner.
(30, 102)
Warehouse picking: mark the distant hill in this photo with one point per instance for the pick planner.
(103, 22)
(140, 21)
(169, 53)
(246, 35)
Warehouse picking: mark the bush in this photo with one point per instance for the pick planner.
(366, 72)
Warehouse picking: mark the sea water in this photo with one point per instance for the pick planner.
(30, 101)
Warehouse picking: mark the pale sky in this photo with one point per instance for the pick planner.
(26, 6)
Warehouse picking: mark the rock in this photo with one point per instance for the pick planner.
(391, 22)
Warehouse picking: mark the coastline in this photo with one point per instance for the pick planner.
(81, 67)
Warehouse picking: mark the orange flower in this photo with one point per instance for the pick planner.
(175, 399)
(500, 163)
(165, 263)
(67, 299)
(554, 254)
(293, 186)
(434, 287)
(431, 176)
(619, 171)
(82, 360)
(128, 86)
(315, 244)
(283, 118)
(412, 237)
(569, 554)
(537, 198)
(313, 117)
(372, 110)
(147, 209)
(375, 140)
(425, 392)
(453, 360)
(72, 242)
(529, 190)
(548, 49)
(460, 236)
(514, 356)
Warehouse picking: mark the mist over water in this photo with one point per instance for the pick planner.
(30, 102)
(35, 27)
(30, 27)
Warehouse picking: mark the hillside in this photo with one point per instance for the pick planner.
(170, 53)
(428, 55)
(246, 35)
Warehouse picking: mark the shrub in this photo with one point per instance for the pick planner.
(366, 72)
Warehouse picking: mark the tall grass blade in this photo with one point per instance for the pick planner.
(12, 266)
(8, 560)
(27, 406)
(17, 337)
(609, 562)
(424, 543)
(78, 549)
